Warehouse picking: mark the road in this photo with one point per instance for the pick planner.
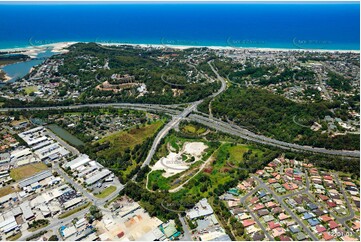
(211, 122)
(55, 224)
(187, 234)
(161, 134)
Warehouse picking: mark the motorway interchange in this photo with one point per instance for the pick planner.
(191, 113)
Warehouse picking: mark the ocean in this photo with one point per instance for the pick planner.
(328, 26)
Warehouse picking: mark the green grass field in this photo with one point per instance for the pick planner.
(158, 181)
(30, 89)
(192, 129)
(106, 192)
(26, 171)
(236, 152)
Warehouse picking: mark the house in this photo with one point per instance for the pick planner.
(283, 216)
(248, 222)
(290, 186)
(254, 200)
(285, 238)
(356, 225)
(277, 210)
(278, 232)
(243, 216)
(332, 224)
(258, 206)
(320, 228)
(313, 221)
(262, 212)
(312, 206)
(308, 215)
(331, 204)
(291, 202)
(325, 218)
(273, 225)
(327, 236)
(268, 218)
(348, 238)
(294, 229)
(271, 204)
(319, 212)
(261, 194)
(300, 236)
(258, 236)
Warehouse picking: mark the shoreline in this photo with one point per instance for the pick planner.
(59, 47)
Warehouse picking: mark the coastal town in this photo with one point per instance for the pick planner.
(180, 121)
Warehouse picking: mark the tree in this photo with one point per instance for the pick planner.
(53, 238)
(95, 212)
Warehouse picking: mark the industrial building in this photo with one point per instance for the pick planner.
(80, 161)
(36, 178)
(97, 177)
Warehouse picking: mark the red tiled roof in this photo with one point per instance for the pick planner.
(327, 178)
(254, 199)
(285, 238)
(325, 218)
(271, 204)
(323, 197)
(320, 228)
(332, 224)
(273, 225)
(331, 204)
(327, 236)
(258, 206)
(248, 222)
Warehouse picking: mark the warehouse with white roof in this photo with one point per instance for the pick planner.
(100, 175)
(80, 161)
(8, 225)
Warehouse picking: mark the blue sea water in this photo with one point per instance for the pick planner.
(270, 25)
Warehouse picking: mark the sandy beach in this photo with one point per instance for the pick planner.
(182, 47)
(33, 51)
(60, 47)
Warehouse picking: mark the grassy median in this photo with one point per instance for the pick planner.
(75, 210)
(106, 192)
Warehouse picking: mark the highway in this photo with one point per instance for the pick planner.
(248, 135)
(148, 107)
(207, 121)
